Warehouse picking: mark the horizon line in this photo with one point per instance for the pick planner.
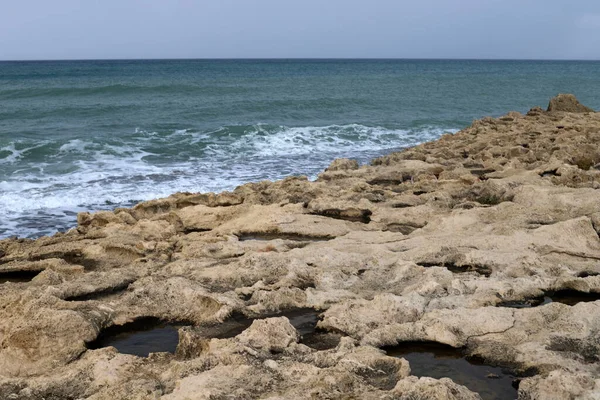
(300, 58)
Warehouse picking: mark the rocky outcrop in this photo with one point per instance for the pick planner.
(436, 243)
(567, 103)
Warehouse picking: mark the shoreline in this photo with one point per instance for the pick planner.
(452, 242)
(48, 209)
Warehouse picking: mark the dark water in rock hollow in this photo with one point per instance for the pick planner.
(440, 361)
(151, 335)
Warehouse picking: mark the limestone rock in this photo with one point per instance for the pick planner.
(567, 103)
(271, 335)
(431, 389)
(342, 164)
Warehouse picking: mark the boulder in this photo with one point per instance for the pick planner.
(342, 164)
(271, 334)
(567, 103)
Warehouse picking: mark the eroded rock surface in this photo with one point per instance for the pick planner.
(568, 103)
(428, 244)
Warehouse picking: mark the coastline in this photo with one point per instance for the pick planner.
(91, 136)
(428, 244)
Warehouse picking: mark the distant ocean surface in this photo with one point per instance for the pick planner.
(92, 135)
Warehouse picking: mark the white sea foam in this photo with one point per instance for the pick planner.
(264, 141)
(16, 154)
(75, 145)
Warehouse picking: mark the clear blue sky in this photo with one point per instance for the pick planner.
(75, 29)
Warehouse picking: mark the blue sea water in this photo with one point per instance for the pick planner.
(90, 135)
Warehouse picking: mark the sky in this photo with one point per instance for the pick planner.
(109, 29)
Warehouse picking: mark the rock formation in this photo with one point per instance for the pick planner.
(567, 103)
(428, 244)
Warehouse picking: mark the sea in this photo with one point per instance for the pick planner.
(94, 135)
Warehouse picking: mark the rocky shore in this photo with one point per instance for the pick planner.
(460, 242)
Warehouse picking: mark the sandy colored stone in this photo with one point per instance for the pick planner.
(567, 103)
(271, 335)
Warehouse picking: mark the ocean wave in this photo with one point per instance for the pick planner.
(74, 146)
(263, 140)
(233, 142)
(10, 154)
